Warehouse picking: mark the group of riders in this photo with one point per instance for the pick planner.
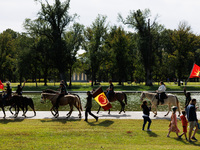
(7, 94)
(63, 91)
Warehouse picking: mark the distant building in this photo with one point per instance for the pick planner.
(79, 77)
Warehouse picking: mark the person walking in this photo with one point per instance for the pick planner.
(184, 124)
(88, 107)
(173, 124)
(192, 119)
(146, 112)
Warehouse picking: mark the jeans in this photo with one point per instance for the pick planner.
(145, 121)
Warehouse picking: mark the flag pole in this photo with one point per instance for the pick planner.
(189, 75)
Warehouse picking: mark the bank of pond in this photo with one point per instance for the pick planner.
(133, 100)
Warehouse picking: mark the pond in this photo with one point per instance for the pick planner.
(133, 100)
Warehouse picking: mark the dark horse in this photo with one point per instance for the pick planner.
(23, 103)
(10, 102)
(118, 96)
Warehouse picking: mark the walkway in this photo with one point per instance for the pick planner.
(101, 115)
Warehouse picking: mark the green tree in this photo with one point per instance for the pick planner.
(54, 19)
(140, 21)
(93, 44)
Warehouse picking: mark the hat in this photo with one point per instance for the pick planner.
(174, 107)
(8, 83)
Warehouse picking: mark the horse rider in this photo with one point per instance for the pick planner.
(62, 93)
(161, 92)
(20, 88)
(8, 94)
(110, 90)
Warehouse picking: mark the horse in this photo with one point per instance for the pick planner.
(23, 102)
(72, 100)
(170, 100)
(118, 96)
(10, 102)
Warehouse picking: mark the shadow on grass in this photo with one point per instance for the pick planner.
(105, 123)
(152, 134)
(6, 121)
(62, 120)
(195, 143)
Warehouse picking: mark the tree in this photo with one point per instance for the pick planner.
(140, 21)
(54, 19)
(93, 44)
(73, 40)
(184, 42)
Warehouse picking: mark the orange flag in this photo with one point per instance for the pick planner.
(100, 97)
(195, 73)
(1, 85)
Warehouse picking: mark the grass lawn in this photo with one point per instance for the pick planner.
(77, 134)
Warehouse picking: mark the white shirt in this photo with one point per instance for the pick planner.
(161, 88)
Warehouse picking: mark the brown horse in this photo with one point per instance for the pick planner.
(118, 96)
(72, 100)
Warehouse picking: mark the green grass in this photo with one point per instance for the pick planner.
(77, 134)
(86, 86)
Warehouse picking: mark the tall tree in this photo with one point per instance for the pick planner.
(55, 19)
(184, 42)
(140, 21)
(93, 44)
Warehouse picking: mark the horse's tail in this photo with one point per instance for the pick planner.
(79, 102)
(125, 98)
(178, 104)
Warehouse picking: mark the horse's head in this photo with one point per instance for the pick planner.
(43, 98)
(142, 96)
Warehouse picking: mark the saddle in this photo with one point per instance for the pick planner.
(160, 97)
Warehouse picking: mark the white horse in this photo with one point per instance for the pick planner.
(172, 100)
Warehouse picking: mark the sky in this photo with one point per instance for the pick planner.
(170, 12)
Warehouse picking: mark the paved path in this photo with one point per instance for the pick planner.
(101, 115)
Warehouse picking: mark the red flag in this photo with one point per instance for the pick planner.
(1, 85)
(195, 73)
(101, 99)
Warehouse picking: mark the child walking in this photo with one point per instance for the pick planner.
(145, 115)
(173, 124)
(184, 124)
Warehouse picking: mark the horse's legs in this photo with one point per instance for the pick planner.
(52, 109)
(155, 112)
(99, 109)
(78, 110)
(3, 112)
(10, 109)
(32, 106)
(16, 112)
(24, 114)
(122, 107)
(109, 111)
(70, 112)
(169, 106)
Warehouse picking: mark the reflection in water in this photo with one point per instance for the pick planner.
(133, 100)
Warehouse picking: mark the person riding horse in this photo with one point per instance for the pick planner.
(8, 94)
(20, 88)
(110, 90)
(161, 92)
(63, 92)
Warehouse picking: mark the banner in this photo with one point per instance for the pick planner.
(195, 73)
(100, 97)
(1, 85)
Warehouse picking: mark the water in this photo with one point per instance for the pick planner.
(133, 100)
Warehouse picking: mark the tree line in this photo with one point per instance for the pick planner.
(49, 48)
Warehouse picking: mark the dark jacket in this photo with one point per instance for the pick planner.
(89, 101)
(146, 110)
(191, 113)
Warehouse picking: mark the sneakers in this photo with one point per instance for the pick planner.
(179, 136)
(149, 130)
(194, 138)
